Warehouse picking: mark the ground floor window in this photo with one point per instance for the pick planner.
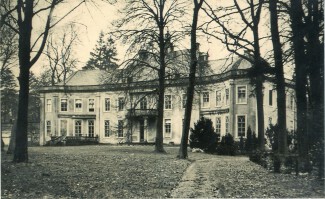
(227, 124)
(91, 128)
(120, 128)
(48, 128)
(168, 127)
(218, 125)
(241, 125)
(77, 128)
(106, 128)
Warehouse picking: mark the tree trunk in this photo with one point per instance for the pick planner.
(279, 77)
(297, 25)
(25, 27)
(190, 89)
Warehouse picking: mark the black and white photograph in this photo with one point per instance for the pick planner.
(162, 99)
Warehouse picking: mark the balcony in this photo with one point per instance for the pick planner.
(133, 113)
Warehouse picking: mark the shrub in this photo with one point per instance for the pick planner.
(203, 136)
(251, 141)
(272, 134)
(227, 145)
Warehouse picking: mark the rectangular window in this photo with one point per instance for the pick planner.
(227, 124)
(227, 96)
(120, 103)
(205, 99)
(63, 127)
(291, 102)
(91, 105)
(270, 97)
(91, 128)
(64, 105)
(168, 127)
(78, 105)
(184, 98)
(241, 95)
(48, 105)
(218, 98)
(107, 104)
(241, 125)
(168, 102)
(143, 103)
(218, 125)
(48, 128)
(77, 128)
(120, 128)
(106, 128)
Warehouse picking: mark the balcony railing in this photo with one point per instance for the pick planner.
(142, 113)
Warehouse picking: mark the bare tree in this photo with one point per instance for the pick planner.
(146, 22)
(59, 53)
(237, 41)
(190, 89)
(24, 12)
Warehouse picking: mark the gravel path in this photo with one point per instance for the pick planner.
(224, 176)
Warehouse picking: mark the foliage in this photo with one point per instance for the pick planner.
(227, 145)
(104, 55)
(251, 142)
(203, 135)
(259, 157)
(272, 135)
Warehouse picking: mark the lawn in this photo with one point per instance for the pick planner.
(93, 172)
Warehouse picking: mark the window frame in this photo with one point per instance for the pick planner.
(227, 122)
(107, 108)
(67, 105)
(169, 105)
(218, 94)
(144, 103)
(227, 96)
(218, 125)
(91, 128)
(107, 129)
(204, 94)
(89, 105)
(77, 134)
(237, 94)
(120, 128)
(120, 104)
(49, 105)
(75, 105)
(48, 127)
(184, 100)
(237, 125)
(169, 122)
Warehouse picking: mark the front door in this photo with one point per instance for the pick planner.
(141, 130)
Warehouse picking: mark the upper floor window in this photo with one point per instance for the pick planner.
(120, 103)
(64, 105)
(168, 102)
(227, 96)
(218, 125)
(106, 128)
(48, 105)
(291, 102)
(120, 128)
(168, 127)
(91, 105)
(143, 103)
(78, 105)
(270, 97)
(218, 98)
(184, 98)
(241, 95)
(241, 125)
(107, 104)
(205, 99)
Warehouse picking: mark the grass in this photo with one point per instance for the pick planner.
(93, 172)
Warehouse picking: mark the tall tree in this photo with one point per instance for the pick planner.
(60, 55)
(237, 42)
(146, 22)
(190, 89)
(104, 54)
(279, 78)
(24, 13)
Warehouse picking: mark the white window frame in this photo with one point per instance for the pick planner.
(89, 105)
(75, 104)
(118, 128)
(67, 130)
(105, 129)
(48, 128)
(227, 123)
(109, 103)
(93, 128)
(170, 107)
(218, 92)
(168, 134)
(239, 115)
(227, 100)
(237, 96)
(48, 105)
(184, 99)
(218, 125)
(67, 103)
(74, 127)
(120, 102)
(207, 105)
(144, 103)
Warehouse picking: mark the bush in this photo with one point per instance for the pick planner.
(227, 145)
(251, 141)
(203, 136)
(272, 135)
(260, 157)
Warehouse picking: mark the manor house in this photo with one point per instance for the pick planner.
(119, 106)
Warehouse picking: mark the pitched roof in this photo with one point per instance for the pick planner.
(86, 78)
